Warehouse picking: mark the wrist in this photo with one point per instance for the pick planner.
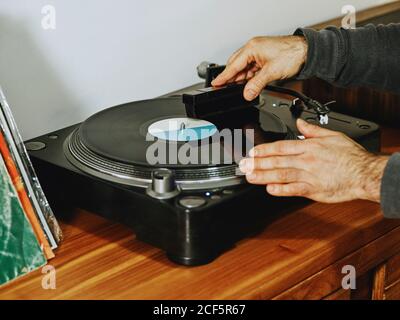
(370, 180)
(300, 46)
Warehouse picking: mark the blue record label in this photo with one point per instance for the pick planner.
(182, 129)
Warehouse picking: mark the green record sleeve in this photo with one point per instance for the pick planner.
(20, 251)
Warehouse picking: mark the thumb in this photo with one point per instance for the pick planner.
(309, 130)
(256, 84)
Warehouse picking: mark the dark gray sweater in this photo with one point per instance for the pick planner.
(367, 56)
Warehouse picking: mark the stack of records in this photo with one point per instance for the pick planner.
(29, 232)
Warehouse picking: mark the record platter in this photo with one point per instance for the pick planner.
(187, 200)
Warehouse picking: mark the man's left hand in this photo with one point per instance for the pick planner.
(327, 167)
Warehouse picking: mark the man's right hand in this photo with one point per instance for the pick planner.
(263, 60)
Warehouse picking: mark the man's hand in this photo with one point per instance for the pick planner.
(263, 60)
(327, 167)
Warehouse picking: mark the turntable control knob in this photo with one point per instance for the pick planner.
(163, 184)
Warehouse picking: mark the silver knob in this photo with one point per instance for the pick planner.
(202, 68)
(163, 184)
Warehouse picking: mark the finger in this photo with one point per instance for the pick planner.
(269, 163)
(298, 189)
(231, 70)
(255, 85)
(250, 74)
(252, 71)
(240, 76)
(279, 148)
(276, 176)
(246, 74)
(234, 55)
(309, 130)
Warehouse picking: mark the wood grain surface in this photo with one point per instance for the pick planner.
(393, 270)
(393, 291)
(364, 16)
(378, 286)
(102, 260)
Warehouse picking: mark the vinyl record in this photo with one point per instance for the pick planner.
(114, 143)
(122, 133)
(126, 132)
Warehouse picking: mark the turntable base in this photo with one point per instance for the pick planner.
(187, 227)
(193, 226)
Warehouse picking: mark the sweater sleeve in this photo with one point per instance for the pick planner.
(366, 56)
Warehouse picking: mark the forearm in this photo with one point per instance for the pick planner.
(367, 56)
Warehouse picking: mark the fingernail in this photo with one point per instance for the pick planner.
(299, 120)
(243, 165)
(251, 176)
(253, 153)
(251, 93)
(271, 188)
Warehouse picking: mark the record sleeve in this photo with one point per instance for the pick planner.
(20, 251)
(24, 198)
(29, 177)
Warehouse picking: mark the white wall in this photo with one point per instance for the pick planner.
(106, 52)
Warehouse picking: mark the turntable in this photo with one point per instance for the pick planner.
(195, 206)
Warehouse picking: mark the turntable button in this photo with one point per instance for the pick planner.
(35, 145)
(192, 202)
(227, 191)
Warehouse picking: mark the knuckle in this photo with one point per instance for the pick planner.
(280, 147)
(273, 162)
(315, 144)
(282, 175)
(257, 83)
(339, 136)
(253, 42)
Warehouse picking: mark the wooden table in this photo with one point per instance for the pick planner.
(298, 255)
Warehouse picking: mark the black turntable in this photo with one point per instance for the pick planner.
(192, 210)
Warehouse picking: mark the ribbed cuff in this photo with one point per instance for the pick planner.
(390, 188)
(311, 38)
